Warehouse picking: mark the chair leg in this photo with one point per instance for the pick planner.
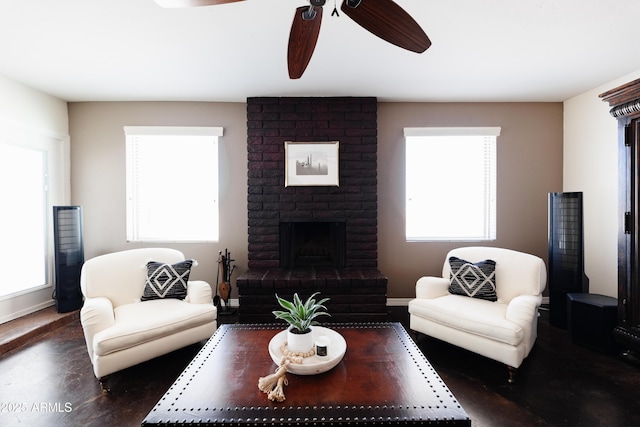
(104, 386)
(512, 374)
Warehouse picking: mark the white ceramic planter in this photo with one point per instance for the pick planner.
(300, 343)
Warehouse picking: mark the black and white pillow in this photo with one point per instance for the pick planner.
(167, 280)
(477, 280)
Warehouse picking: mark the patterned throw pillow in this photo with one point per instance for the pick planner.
(167, 280)
(473, 280)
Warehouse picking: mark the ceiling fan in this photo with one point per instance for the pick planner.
(383, 18)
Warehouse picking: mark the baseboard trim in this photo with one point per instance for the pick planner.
(398, 302)
(26, 311)
(233, 303)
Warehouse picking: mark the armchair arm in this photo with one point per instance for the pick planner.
(522, 309)
(432, 287)
(198, 292)
(96, 315)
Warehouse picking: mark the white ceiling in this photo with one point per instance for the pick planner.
(483, 50)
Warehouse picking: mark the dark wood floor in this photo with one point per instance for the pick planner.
(47, 381)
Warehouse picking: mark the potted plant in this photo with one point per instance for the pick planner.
(300, 317)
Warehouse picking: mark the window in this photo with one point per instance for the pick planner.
(451, 184)
(172, 183)
(34, 171)
(23, 173)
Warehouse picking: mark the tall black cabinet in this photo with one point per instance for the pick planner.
(625, 107)
(68, 257)
(566, 253)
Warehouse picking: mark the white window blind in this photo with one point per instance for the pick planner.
(451, 183)
(172, 183)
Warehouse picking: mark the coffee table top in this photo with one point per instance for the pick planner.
(383, 378)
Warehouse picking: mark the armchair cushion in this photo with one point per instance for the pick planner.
(143, 322)
(475, 280)
(166, 280)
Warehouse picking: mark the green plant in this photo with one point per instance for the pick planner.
(301, 316)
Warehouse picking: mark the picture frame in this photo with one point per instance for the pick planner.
(311, 163)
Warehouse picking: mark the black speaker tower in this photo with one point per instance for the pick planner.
(69, 257)
(566, 253)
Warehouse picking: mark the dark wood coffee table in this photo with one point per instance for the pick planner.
(383, 379)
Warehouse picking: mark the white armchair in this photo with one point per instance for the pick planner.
(121, 330)
(504, 330)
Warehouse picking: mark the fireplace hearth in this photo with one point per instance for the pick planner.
(355, 295)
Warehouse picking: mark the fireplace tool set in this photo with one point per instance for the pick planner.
(223, 288)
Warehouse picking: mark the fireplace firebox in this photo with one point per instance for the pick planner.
(318, 243)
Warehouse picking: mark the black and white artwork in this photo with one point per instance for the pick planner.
(311, 163)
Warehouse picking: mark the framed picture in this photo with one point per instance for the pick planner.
(311, 163)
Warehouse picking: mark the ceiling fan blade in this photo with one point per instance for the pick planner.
(387, 20)
(192, 3)
(303, 39)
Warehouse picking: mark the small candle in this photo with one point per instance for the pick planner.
(321, 345)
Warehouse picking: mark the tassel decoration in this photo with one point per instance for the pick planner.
(273, 385)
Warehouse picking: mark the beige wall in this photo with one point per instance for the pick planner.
(591, 166)
(529, 166)
(98, 173)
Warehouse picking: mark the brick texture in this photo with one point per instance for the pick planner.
(352, 122)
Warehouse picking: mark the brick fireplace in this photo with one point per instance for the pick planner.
(313, 238)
